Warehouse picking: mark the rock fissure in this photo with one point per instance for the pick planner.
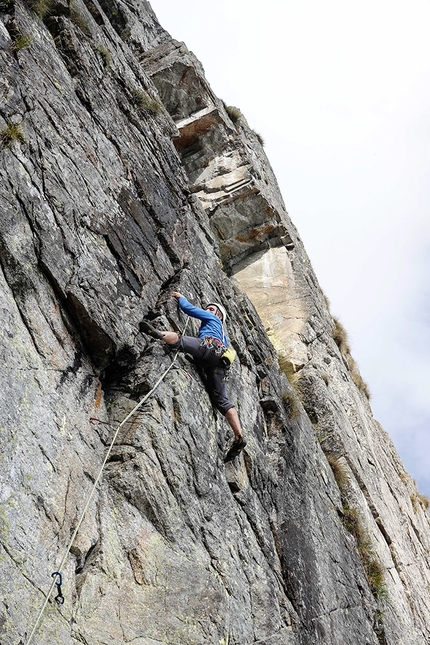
(18, 564)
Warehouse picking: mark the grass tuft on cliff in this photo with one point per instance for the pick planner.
(340, 337)
(106, 56)
(339, 472)
(79, 19)
(234, 113)
(145, 103)
(357, 378)
(373, 568)
(13, 132)
(418, 499)
(21, 41)
(351, 519)
(259, 138)
(291, 404)
(40, 7)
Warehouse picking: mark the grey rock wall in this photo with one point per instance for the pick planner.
(123, 177)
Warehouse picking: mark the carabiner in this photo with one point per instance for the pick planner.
(59, 598)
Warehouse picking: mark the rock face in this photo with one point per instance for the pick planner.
(123, 177)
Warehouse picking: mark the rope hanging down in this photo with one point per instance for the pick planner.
(75, 532)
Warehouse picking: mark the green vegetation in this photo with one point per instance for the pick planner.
(21, 41)
(374, 570)
(106, 56)
(339, 472)
(6, 6)
(259, 137)
(353, 523)
(40, 7)
(319, 433)
(78, 19)
(340, 337)
(12, 132)
(145, 103)
(233, 112)
(291, 404)
(418, 499)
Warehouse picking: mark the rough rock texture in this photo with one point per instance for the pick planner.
(122, 177)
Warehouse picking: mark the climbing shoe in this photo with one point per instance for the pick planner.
(236, 449)
(146, 328)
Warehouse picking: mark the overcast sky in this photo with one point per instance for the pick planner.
(340, 92)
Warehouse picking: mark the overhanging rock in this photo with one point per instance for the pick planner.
(220, 158)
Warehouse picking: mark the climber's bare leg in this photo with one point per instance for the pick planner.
(232, 418)
(169, 337)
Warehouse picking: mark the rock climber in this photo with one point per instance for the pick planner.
(206, 349)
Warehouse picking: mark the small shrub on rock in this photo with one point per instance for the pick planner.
(145, 103)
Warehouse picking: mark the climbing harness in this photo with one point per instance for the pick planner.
(57, 576)
(214, 344)
(226, 354)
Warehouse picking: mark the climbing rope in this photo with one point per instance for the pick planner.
(57, 576)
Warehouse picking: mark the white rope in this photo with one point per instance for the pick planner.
(75, 532)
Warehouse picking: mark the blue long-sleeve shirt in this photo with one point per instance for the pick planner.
(211, 324)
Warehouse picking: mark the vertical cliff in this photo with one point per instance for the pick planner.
(123, 177)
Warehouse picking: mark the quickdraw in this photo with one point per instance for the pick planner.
(59, 598)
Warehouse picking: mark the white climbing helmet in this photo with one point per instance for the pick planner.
(221, 308)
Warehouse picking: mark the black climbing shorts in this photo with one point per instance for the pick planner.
(214, 368)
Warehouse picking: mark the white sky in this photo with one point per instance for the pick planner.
(340, 92)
